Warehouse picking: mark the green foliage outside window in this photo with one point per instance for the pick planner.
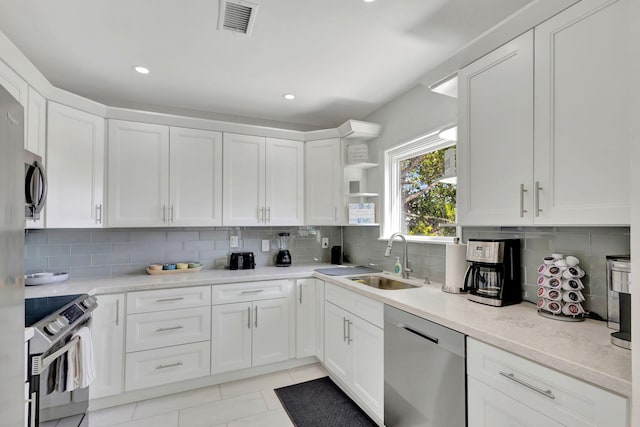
(426, 202)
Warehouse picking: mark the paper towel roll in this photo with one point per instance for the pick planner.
(455, 267)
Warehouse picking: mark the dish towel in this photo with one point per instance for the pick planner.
(81, 369)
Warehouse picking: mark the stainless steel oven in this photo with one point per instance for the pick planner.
(56, 321)
(35, 186)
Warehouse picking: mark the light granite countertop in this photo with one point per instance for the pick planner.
(580, 349)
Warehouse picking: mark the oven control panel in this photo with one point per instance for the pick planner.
(72, 313)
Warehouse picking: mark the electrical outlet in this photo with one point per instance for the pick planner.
(233, 242)
(265, 246)
(325, 242)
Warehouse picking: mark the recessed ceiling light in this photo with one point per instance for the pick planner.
(140, 69)
(289, 96)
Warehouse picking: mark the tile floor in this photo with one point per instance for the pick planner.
(244, 403)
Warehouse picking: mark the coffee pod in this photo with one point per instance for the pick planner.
(541, 303)
(543, 269)
(561, 263)
(573, 296)
(548, 260)
(573, 273)
(557, 256)
(572, 284)
(572, 261)
(554, 307)
(542, 292)
(554, 283)
(572, 309)
(543, 281)
(555, 271)
(554, 294)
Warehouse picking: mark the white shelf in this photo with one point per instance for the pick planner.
(362, 165)
(361, 195)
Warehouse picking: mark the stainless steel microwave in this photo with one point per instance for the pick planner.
(35, 186)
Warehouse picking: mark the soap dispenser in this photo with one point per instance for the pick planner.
(397, 267)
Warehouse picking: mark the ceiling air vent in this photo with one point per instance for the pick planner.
(237, 16)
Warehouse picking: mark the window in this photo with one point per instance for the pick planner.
(420, 196)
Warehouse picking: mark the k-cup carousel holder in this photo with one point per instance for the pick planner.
(560, 288)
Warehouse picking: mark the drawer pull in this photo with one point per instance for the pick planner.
(257, 291)
(173, 328)
(170, 299)
(545, 393)
(173, 365)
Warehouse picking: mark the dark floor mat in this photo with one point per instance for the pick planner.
(320, 403)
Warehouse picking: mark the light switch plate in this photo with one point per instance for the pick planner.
(325, 242)
(233, 242)
(265, 246)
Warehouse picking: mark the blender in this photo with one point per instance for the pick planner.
(283, 259)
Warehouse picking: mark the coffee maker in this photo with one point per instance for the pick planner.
(283, 258)
(493, 277)
(619, 299)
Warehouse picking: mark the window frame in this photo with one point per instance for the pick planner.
(392, 222)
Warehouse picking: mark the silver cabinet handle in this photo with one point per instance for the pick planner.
(349, 339)
(300, 296)
(248, 317)
(269, 214)
(253, 292)
(99, 214)
(172, 365)
(537, 199)
(522, 191)
(172, 328)
(164, 213)
(170, 299)
(335, 213)
(172, 217)
(512, 377)
(32, 409)
(260, 214)
(344, 329)
(117, 312)
(256, 316)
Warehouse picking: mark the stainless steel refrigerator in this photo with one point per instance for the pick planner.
(12, 365)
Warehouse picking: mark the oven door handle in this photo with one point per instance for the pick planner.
(41, 363)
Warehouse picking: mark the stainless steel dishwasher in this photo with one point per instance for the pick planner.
(424, 372)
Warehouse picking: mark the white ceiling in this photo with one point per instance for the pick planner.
(342, 58)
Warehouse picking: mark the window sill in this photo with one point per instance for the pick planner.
(423, 239)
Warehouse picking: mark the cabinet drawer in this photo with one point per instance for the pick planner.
(168, 299)
(366, 308)
(251, 291)
(173, 327)
(166, 365)
(559, 396)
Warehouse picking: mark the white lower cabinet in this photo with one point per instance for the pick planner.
(107, 329)
(306, 314)
(168, 336)
(507, 390)
(249, 327)
(354, 347)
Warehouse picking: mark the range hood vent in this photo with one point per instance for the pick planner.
(237, 16)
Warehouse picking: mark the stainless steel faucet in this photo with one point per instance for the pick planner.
(406, 269)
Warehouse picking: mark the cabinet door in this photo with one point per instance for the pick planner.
(230, 337)
(284, 182)
(107, 329)
(323, 178)
(367, 343)
(271, 323)
(243, 180)
(337, 356)
(75, 168)
(487, 407)
(582, 108)
(138, 174)
(195, 177)
(306, 326)
(320, 320)
(495, 136)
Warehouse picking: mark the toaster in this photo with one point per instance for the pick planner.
(242, 261)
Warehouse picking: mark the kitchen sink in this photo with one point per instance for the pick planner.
(382, 282)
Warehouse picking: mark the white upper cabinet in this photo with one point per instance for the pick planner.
(36, 137)
(195, 185)
(563, 159)
(161, 176)
(323, 182)
(75, 168)
(14, 84)
(581, 115)
(495, 136)
(263, 181)
(138, 192)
